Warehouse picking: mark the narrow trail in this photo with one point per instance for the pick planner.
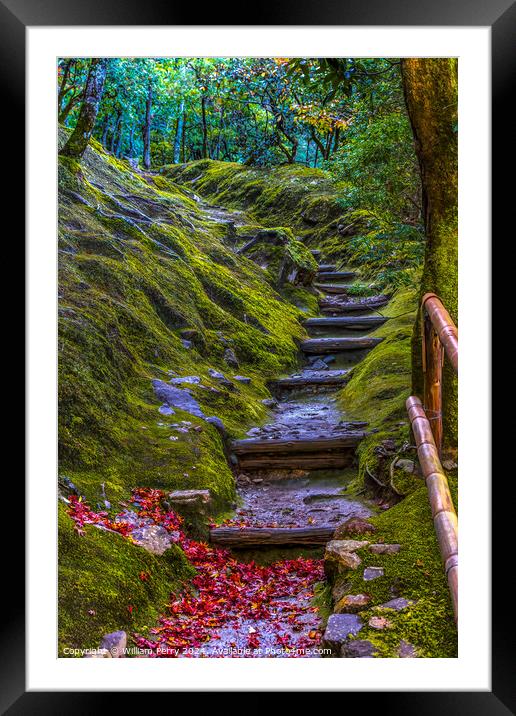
(292, 473)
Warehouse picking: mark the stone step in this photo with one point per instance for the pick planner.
(329, 379)
(337, 345)
(326, 267)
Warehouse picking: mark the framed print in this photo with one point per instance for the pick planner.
(249, 438)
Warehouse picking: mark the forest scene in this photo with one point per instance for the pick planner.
(258, 279)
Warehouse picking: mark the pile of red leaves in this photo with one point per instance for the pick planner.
(238, 609)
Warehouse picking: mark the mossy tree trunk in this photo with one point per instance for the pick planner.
(430, 88)
(81, 135)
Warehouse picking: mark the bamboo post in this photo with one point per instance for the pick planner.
(432, 373)
(443, 510)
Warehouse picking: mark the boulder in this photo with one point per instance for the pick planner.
(115, 643)
(357, 649)
(380, 623)
(285, 258)
(177, 398)
(352, 603)
(353, 526)
(153, 538)
(373, 573)
(338, 629)
(199, 499)
(242, 379)
(340, 556)
(397, 604)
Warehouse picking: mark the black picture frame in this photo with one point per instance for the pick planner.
(15, 16)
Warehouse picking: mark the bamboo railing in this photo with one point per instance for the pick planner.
(439, 338)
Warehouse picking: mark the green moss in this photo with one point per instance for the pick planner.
(128, 286)
(304, 199)
(380, 383)
(99, 580)
(377, 392)
(417, 574)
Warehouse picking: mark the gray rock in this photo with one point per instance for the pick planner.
(230, 357)
(340, 556)
(329, 359)
(352, 603)
(319, 365)
(384, 548)
(373, 573)
(242, 379)
(355, 525)
(312, 359)
(406, 650)
(177, 398)
(358, 649)
(380, 623)
(270, 402)
(115, 643)
(408, 466)
(165, 410)
(339, 628)
(201, 497)
(191, 379)
(216, 374)
(186, 344)
(397, 604)
(153, 538)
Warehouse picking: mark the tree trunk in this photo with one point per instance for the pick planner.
(147, 129)
(179, 133)
(115, 131)
(204, 129)
(131, 142)
(80, 137)
(430, 88)
(183, 140)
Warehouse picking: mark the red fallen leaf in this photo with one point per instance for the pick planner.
(130, 608)
(144, 576)
(228, 592)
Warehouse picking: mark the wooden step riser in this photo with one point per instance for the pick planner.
(299, 445)
(335, 275)
(245, 537)
(352, 308)
(348, 322)
(316, 346)
(331, 288)
(294, 462)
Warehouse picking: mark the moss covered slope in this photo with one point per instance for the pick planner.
(139, 263)
(301, 198)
